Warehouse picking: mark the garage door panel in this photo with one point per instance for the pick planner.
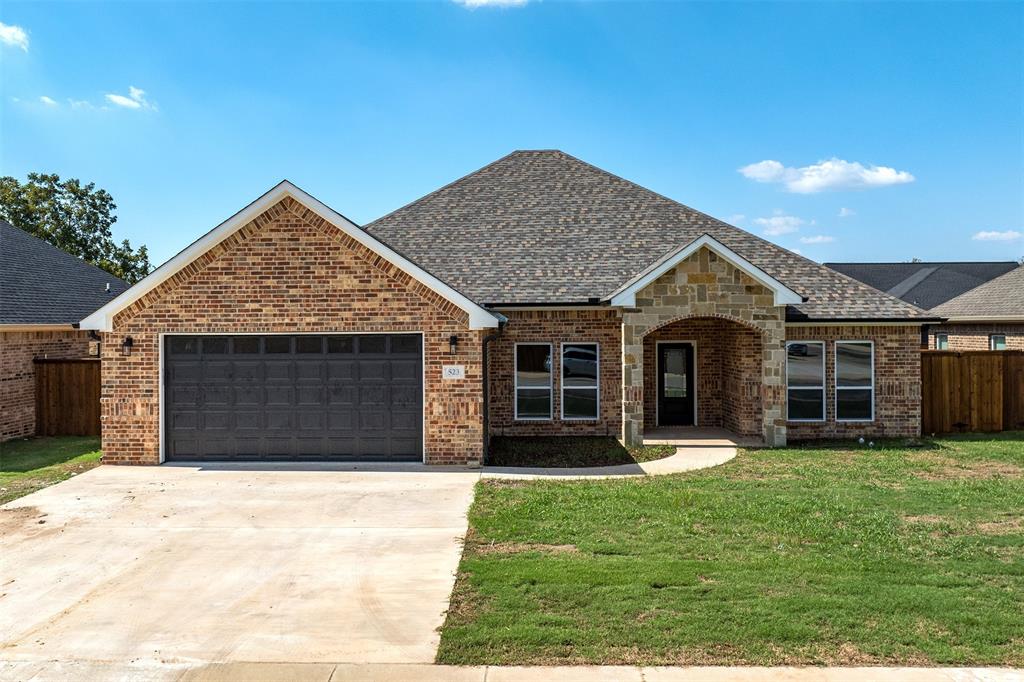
(348, 397)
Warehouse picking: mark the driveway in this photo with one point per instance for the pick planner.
(204, 564)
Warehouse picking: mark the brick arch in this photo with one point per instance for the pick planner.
(749, 324)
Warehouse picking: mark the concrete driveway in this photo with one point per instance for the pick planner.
(186, 565)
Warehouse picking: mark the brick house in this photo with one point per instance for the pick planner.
(44, 293)
(538, 295)
(982, 303)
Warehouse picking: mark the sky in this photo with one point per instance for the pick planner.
(846, 131)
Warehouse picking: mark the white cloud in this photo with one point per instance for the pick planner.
(473, 4)
(846, 212)
(779, 224)
(15, 36)
(136, 99)
(817, 239)
(825, 175)
(994, 236)
(48, 101)
(80, 104)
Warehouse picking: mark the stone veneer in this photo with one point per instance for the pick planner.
(602, 326)
(17, 373)
(974, 336)
(290, 271)
(705, 286)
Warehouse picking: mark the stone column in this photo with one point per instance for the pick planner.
(632, 383)
(773, 383)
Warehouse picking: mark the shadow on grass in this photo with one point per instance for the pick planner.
(570, 451)
(20, 456)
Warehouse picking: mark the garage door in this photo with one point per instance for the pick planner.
(301, 397)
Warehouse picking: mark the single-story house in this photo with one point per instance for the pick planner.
(44, 293)
(983, 300)
(539, 295)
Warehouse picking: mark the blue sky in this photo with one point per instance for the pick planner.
(916, 109)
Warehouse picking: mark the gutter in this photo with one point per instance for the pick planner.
(502, 321)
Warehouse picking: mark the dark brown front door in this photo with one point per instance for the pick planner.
(675, 384)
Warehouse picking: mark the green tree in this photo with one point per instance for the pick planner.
(75, 218)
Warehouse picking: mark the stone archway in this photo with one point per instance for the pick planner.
(705, 286)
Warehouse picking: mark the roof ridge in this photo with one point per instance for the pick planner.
(992, 282)
(923, 263)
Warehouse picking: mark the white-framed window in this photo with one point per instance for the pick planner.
(805, 381)
(855, 381)
(997, 342)
(581, 380)
(942, 342)
(533, 381)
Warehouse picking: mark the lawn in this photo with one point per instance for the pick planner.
(909, 554)
(574, 451)
(29, 465)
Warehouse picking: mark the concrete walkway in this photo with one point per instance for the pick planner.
(695, 449)
(156, 671)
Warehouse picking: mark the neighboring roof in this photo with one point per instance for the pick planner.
(479, 317)
(926, 285)
(544, 227)
(999, 299)
(40, 284)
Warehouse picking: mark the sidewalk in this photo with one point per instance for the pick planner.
(157, 671)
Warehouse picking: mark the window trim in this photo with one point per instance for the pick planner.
(824, 380)
(992, 341)
(944, 335)
(838, 388)
(561, 380)
(515, 382)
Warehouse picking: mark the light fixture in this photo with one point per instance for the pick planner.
(126, 345)
(453, 344)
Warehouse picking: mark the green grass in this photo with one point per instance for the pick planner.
(833, 554)
(570, 451)
(30, 465)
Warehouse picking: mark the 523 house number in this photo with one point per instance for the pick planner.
(453, 372)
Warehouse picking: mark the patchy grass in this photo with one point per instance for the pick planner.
(570, 451)
(906, 553)
(30, 465)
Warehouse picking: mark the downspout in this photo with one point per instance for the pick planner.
(502, 321)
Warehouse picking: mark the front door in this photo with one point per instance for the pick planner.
(675, 384)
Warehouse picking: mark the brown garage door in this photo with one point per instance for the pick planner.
(293, 397)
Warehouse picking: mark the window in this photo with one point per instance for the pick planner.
(533, 381)
(942, 342)
(309, 344)
(997, 342)
(580, 381)
(245, 344)
(855, 381)
(805, 381)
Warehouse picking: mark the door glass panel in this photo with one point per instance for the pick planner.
(674, 372)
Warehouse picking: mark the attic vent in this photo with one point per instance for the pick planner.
(107, 289)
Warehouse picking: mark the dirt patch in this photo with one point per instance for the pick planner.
(924, 518)
(1007, 527)
(484, 549)
(943, 468)
(23, 521)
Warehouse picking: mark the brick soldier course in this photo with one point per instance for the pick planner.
(537, 247)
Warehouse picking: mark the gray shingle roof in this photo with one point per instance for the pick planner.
(40, 284)
(926, 285)
(545, 227)
(1000, 297)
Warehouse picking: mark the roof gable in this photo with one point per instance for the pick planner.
(102, 319)
(999, 299)
(626, 295)
(542, 227)
(42, 285)
(925, 284)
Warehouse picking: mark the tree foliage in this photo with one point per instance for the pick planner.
(75, 218)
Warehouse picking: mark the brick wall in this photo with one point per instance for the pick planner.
(17, 374)
(289, 271)
(728, 369)
(975, 336)
(897, 382)
(555, 327)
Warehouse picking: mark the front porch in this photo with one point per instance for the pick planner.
(699, 438)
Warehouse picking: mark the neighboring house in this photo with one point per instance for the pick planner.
(988, 317)
(537, 296)
(44, 293)
(992, 319)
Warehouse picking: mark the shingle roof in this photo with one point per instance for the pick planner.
(1000, 297)
(926, 285)
(40, 284)
(545, 227)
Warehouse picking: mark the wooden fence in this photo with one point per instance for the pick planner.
(67, 397)
(972, 391)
